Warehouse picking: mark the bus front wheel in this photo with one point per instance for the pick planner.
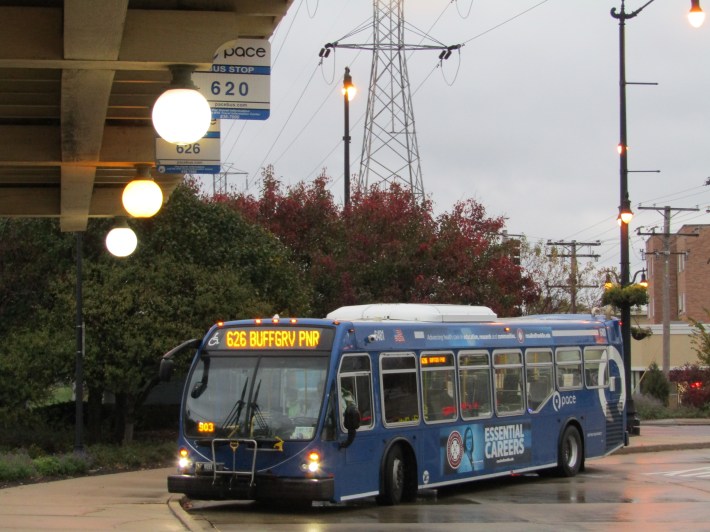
(570, 454)
(392, 485)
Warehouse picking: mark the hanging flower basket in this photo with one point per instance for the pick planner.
(632, 295)
(639, 333)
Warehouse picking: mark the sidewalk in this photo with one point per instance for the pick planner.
(139, 500)
(670, 434)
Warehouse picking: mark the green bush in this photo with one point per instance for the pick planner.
(66, 465)
(655, 384)
(649, 407)
(137, 454)
(16, 466)
(48, 466)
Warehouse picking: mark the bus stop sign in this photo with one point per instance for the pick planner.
(239, 85)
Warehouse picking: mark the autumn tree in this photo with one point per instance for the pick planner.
(475, 266)
(307, 221)
(387, 246)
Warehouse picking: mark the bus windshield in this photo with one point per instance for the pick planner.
(264, 395)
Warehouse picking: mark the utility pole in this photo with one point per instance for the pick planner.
(573, 286)
(666, 211)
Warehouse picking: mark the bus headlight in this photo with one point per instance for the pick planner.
(312, 464)
(183, 460)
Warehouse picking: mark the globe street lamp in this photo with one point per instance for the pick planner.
(625, 214)
(142, 197)
(349, 92)
(181, 114)
(121, 241)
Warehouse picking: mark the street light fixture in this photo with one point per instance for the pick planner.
(349, 91)
(608, 282)
(625, 214)
(121, 241)
(142, 197)
(696, 16)
(181, 115)
(643, 282)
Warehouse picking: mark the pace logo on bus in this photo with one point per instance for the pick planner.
(560, 401)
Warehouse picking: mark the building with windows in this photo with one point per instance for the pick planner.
(687, 254)
(688, 259)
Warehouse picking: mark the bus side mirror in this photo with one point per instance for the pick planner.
(166, 369)
(351, 421)
(166, 363)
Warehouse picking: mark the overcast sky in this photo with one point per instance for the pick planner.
(525, 119)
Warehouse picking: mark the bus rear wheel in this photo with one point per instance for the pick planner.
(570, 454)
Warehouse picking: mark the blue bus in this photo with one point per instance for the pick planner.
(384, 400)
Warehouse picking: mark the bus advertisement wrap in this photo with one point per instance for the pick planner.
(473, 448)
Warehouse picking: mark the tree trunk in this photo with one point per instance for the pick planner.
(129, 419)
(94, 406)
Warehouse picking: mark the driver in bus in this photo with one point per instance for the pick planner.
(346, 398)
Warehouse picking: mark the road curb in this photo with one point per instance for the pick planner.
(663, 447)
(182, 515)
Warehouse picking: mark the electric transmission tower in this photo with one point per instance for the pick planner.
(390, 152)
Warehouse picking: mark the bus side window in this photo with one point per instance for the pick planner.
(596, 367)
(569, 368)
(355, 387)
(539, 376)
(509, 382)
(400, 389)
(438, 386)
(475, 384)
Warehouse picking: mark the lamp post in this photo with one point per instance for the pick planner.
(349, 91)
(625, 215)
(79, 358)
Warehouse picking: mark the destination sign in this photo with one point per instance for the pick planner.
(437, 360)
(272, 338)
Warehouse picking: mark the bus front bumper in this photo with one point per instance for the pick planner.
(264, 487)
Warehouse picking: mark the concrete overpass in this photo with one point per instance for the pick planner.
(77, 82)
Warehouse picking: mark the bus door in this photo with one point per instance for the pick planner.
(596, 384)
(613, 399)
(357, 469)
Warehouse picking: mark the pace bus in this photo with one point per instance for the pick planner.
(385, 400)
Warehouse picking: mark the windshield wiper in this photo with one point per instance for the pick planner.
(236, 412)
(255, 412)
